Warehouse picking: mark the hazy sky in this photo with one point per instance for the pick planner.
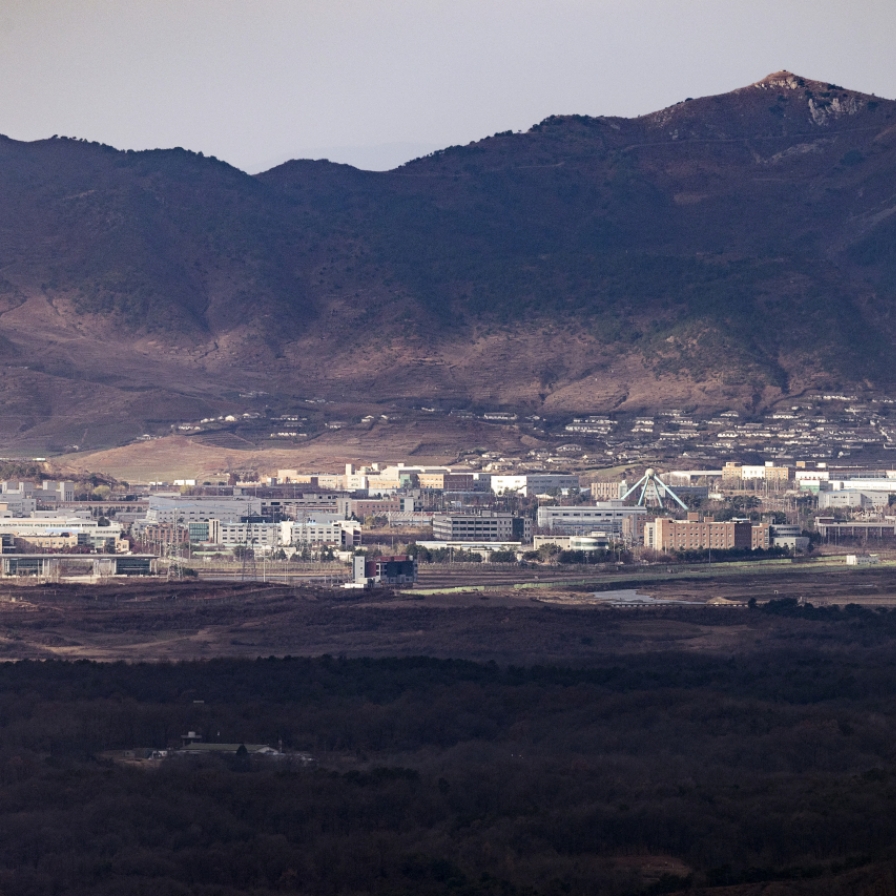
(373, 82)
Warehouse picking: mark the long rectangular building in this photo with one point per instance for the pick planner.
(698, 534)
(480, 527)
(529, 484)
(580, 519)
(257, 534)
(51, 531)
(190, 509)
(344, 533)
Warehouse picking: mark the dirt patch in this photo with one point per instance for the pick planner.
(436, 441)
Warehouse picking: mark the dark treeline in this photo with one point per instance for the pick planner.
(773, 762)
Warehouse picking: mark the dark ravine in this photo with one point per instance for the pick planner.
(728, 251)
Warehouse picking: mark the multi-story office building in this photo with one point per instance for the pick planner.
(183, 509)
(580, 519)
(529, 484)
(256, 534)
(481, 527)
(698, 534)
(341, 533)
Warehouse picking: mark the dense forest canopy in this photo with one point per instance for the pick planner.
(771, 762)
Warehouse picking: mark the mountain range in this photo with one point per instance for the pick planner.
(732, 251)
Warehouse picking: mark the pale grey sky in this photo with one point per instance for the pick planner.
(373, 82)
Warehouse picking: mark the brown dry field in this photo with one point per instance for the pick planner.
(156, 620)
(182, 457)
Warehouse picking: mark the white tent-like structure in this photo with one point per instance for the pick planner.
(653, 490)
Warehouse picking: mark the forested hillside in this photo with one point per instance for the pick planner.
(728, 250)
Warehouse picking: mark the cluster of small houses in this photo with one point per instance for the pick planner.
(831, 425)
(823, 426)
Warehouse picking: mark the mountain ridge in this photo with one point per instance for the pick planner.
(726, 251)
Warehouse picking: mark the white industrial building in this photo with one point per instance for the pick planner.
(55, 492)
(529, 484)
(192, 509)
(12, 505)
(344, 533)
(22, 498)
(256, 534)
(851, 497)
(580, 519)
(879, 484)
(84, 531)
(481, 527)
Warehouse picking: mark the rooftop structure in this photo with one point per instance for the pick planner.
(653, 491)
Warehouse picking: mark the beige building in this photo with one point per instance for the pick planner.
(604, 490)
(61, 542)
(766, 472)
(364, 507)
(731, 471)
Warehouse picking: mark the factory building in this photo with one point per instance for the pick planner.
(480, 527)
(183, 509)
(604, 516)
(529, 484)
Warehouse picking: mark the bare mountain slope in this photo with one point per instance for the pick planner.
(729, 250)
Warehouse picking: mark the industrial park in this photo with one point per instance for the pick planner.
(381, 523)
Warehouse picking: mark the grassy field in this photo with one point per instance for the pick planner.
(484, 612)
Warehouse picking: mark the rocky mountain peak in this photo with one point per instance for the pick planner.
(824, 102)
